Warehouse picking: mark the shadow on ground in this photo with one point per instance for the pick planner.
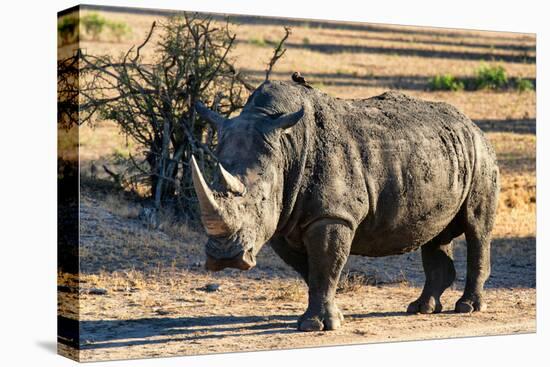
(524, 126)
(513, 265)
(487, 45)
(336, 48)
(402, 82)
(124, 333)
(98, 334)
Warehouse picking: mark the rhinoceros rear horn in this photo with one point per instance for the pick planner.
(230, 182)
(212, 117)
(290, 119)
(211, 213)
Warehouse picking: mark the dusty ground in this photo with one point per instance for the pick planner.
(156, 300)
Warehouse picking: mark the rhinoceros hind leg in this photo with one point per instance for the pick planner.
(437, 260)
(479, 215)
(478, 269)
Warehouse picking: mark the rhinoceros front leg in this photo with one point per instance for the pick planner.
(328, 245)
(297, 260)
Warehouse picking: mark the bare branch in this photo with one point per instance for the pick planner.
(277, 53)
(145, 42)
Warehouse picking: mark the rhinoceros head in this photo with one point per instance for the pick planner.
(241, 210)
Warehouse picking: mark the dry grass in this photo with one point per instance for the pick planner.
(293, 291)
(352, 281)
(120, 206)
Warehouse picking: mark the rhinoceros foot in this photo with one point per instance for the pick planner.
(467, 304)
(328, 319)
(425, 305)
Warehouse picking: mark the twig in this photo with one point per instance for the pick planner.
(145, 42)
(277, 54)
(239, 77)
(222, 60)
(116, 177)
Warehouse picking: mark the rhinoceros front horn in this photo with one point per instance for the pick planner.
(211, 213)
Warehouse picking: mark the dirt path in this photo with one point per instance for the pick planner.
(158, 300)
(252, 321)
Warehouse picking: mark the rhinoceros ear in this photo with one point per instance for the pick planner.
(288, 120)
(212, 117)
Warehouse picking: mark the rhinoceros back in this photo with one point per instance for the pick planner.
(397, 168)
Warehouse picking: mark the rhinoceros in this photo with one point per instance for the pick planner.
(320, 178)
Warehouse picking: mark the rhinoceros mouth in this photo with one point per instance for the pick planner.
(224, 248)
(243, 261)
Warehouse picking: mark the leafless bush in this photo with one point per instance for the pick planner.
(68, 72)
(152, 103)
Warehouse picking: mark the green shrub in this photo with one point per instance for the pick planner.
(306, 41)
(93, 24)
(446, 82)
(523, 85)
(119, 29)
(485, 77)
(490, 77)
(67, 29)
(260, 42)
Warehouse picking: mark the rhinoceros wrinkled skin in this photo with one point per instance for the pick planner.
(320, 178)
